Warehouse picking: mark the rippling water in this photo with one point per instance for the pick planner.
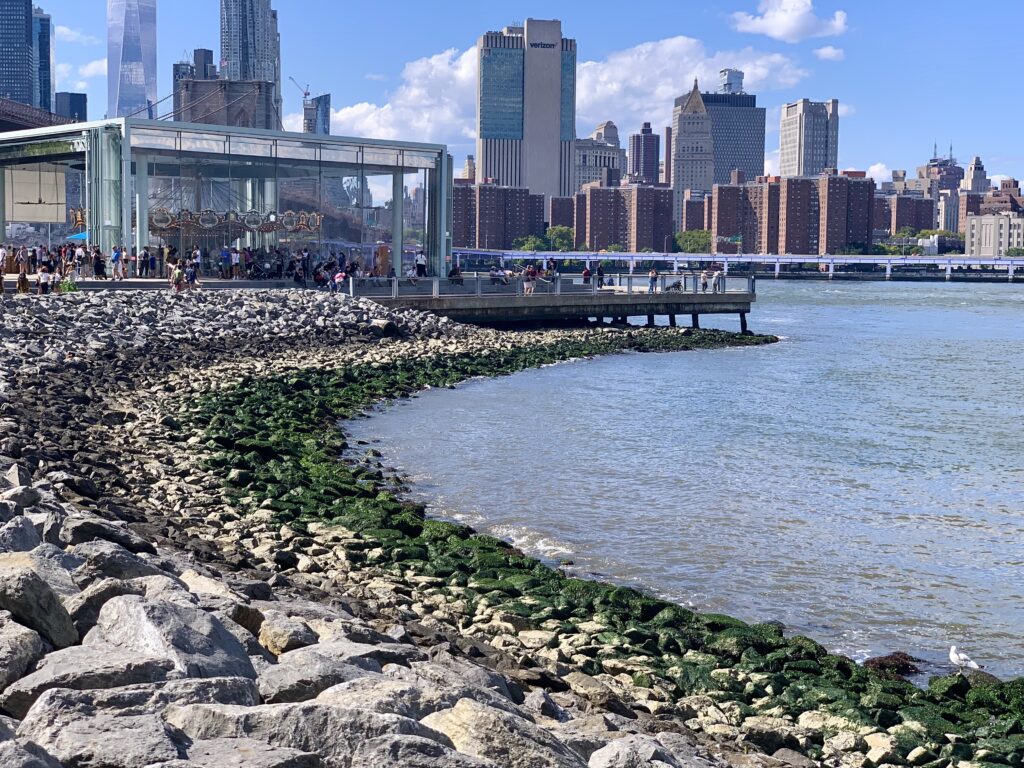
(863, 481)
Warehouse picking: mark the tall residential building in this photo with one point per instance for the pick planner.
(250, 44)
(44, 57)
(490, 216)
(693, 158)
(17, 52)
(737, 128)
(316, 114)
(666, 160)
(131, 58)
(644, 156)
(526, 108)
(809, 137)
(73, 105)
(636, 217)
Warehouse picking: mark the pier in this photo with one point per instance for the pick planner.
(481, 299)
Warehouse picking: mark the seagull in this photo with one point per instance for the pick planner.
(961, 660)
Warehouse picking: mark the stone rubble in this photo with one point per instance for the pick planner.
(144, 623)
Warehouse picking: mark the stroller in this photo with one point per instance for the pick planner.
(676, 287)
(260, 271)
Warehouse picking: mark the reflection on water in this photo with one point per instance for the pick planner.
(861, 481)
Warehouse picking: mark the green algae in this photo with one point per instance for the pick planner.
(276, 441)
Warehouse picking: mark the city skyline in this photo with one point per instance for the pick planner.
(423, 86)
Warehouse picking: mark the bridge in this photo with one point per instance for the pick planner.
(950, 267)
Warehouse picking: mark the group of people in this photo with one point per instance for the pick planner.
(68, 263)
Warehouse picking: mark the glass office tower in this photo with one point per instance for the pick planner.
(131, 58)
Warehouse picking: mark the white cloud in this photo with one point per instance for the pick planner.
(998, 178)
(771, 162)
(93, 68)
(879, 172)
(69, 35)
(61, 73)
(641, 83)
(81, 86)
(292, 122)
(436, 98)
(377, 76)
(789, 20)
(830, 53)
(846, 110)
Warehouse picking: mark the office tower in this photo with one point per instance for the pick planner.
(526, 108)
(131, 58)
(250, 45)
(73, 105)
(469, 170)
(693, 159)
(599, 158)
(17, 52)
(202, 61)
(183, 70)
(737, 128)
(808, 137)
(43, 56)
(976, 179)
(316, 114)
(644, 156)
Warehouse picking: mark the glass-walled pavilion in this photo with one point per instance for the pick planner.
(178, 185)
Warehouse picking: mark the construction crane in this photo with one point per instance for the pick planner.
(305, 91)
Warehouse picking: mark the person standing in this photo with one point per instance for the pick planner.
(652, 280)
(115, 263)
(421, 264)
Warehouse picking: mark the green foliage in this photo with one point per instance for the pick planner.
(694, 241)
(906, 232)
(67, 285)
(1014, 253)
(615, 248)
(531, 243)
(561, 238)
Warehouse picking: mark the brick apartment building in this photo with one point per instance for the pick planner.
(637, 218)
(490, 216)
(813, 215)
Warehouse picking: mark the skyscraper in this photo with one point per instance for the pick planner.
(693, 158)
(737, 128)
(526, 108)
(43, 55)
(809, 137)
(976, 179)
(644, 156)
(131, 58)
(17, 52)
(316, 114)
(250, 45)
(73, 105)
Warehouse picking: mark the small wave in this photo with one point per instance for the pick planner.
(531, 541)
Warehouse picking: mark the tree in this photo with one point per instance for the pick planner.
(694, 241)
(562, 238)
(531, 243)
(906, 232)
(615, 248)
(1014, 253)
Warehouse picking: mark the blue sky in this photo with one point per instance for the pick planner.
(906, 72)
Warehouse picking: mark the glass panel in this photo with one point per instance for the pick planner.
(195, 142)
(251, 147)
(153, 139)
(297, 150)
(379, 156)
(330, 153)
(419, 159)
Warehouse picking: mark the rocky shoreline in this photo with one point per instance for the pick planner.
(190, 575)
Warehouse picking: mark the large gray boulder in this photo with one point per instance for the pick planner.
(79, 527)
(54, 566)
(303, 678)
(634, 751)
(107, 560)
(20, 648)
(280, 633)
(412, 752)
(82, 738)
(17, 755)
(507, 739)
(443, 667)
(197, 643)
(370, 657)
(334, 733)
(34, 604)
(151, 698)
(23, 496)
(408, 695)
(84, 608)
(246, 753)
(82, 668)
(19, 535)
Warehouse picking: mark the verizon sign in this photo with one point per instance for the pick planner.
(543, 45)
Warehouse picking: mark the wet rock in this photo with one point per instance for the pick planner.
(33, 604)
(196, 642)
(897, 664)
(507, 739)
(82, 668)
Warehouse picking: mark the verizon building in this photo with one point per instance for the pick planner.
(526, 108)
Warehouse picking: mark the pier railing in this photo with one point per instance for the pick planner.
(483, 284)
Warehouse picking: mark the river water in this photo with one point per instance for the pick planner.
(862, 481)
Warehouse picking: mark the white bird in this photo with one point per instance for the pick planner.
(961, 660)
